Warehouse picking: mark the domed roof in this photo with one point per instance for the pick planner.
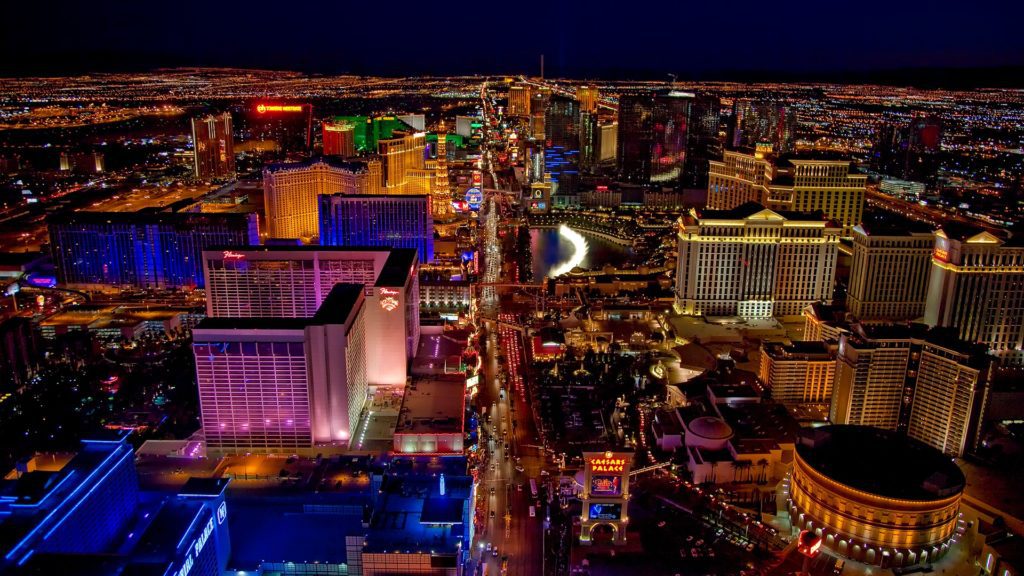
(710, 427)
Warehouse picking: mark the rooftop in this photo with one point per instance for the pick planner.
(856, 456)
(397, 268)
(433, 405)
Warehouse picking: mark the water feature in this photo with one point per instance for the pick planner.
(553, 251)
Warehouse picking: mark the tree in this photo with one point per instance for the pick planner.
(763, 463)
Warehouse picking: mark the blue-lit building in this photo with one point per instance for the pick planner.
(561, 165)
(394, 221)
(87, 516)
(142, 249)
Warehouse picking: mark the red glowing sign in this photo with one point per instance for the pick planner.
(264, 108)
(809, 543)
(229, 255)
(941, 255)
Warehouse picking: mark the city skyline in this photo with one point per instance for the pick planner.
(746, 43)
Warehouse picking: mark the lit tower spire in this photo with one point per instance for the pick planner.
(442, 200)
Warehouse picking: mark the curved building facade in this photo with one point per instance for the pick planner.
(875, 496)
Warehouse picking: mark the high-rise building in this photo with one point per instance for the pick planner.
(464, 125)
(908, 151)
(282, 385)
(703, 144)
(798, 373)
(588, 97)
(378, 220)
(82, 162)
(288, 126)
(905, 378)
(539, 100)
(608, 142)
(590, 140)
(889, 274)
(562, 123)
(417, 122)
(755, 123)
(294, 281)
(87, 515)
(339, 139)
(519, 96)
(754, 262)
(441, 204)
(653, 135)
(977, 287)
(142, 249)
(739, 178)
(402, 152)
(788, 183)
(290, 191)
(213, 147)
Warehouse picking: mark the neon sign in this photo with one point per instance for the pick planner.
(264, 108)
(389, 300)
(222, 512)
(941, 255)
(193, 550)
(607, 464)
(229, 255)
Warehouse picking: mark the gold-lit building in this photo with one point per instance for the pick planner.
(291, 191)
(977, 286)
(400, 154)
(788, 183)
(588, 98)
(754, 262)
(519, 100)
(874, 496)
(798, 373)
(605, 497)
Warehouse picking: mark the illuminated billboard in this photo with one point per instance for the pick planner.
(605, 485)
(474, 197)
(264, 108)
(605, 511)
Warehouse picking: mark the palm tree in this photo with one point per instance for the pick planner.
(746, 465)
(736, 466)
(763, 463)
(714, 465)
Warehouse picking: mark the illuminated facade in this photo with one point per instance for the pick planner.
(378, 220)
(144, 250)
(770, 123)
(339, 139)
(292, 282)
(788, 183)
(754, 262)
(889, 274)
(213, 147)
(977, 286)
(442, 191)
(290, 191)
(588, 97)
(652, 136)
(519, 100)
(401, 153)
(799, 373)
(605, 495)
(926, 384)
(281, 385)
(87, 515)
(874, 496)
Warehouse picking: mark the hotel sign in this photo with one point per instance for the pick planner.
(264, 108)
(229, 255)
(607, 464)
(193, 550)
(389, 299)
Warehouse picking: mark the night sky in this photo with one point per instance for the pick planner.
(640, 38)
